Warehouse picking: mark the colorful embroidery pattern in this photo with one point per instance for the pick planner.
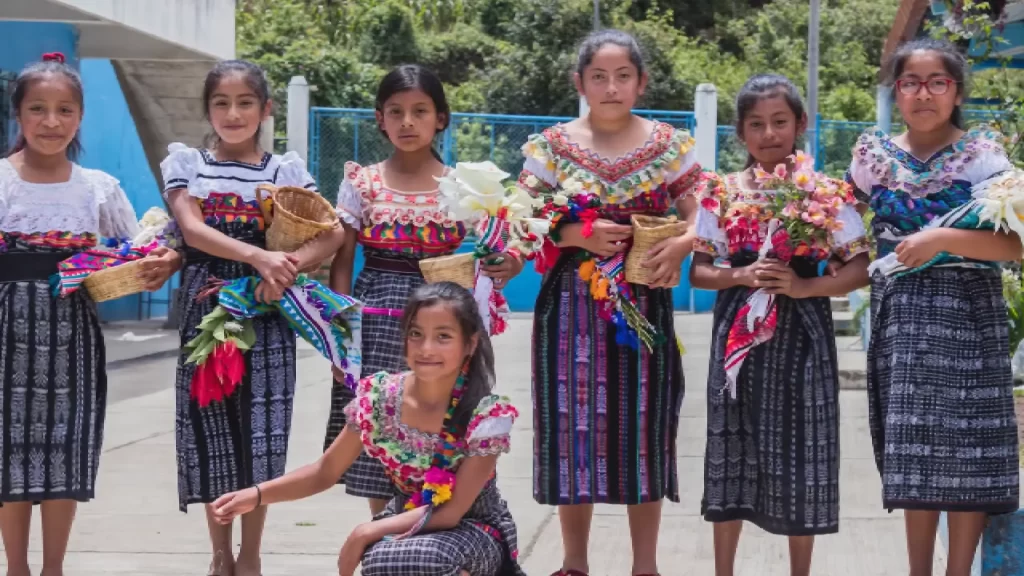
(52, 239)
(221, 207)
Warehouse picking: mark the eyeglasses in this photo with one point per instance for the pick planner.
(935, 86)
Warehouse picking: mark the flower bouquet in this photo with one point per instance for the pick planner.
(800, 214)
(573, 203)
(112, 273)
(330, 322)
(501, 217)
(996, 204)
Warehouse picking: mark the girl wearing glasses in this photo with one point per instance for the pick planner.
(939, 379)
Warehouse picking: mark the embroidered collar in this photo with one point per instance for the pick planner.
(210, 159)
(898, 170)
(619, 180)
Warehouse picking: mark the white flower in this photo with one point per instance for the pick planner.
(471, 189)
(232, 327)
(532, 181)
(560, 199)
(152, 225)
(572, 186)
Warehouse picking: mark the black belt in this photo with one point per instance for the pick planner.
(30, 266)
(395, 265)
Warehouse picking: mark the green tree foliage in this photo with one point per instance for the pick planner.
(517, 56)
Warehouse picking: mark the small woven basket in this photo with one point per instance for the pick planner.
(647, 232)
(457, 268)
(298, 215)
(114, 283)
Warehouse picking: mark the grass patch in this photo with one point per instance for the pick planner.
(1018, 392)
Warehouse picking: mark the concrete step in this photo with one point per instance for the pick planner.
(844, 324)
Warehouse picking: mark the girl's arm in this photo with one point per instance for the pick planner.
(981, 244)
(853, 275)
(706, 276)
(341, 267)
(312, 253)
(300, 483)
(472, 476)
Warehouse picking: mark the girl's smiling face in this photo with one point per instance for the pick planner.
(50, 115)
(926, 93)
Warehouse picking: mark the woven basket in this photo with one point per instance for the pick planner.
(298, 215)
(114, 283)
(647, 232)
(457, 268)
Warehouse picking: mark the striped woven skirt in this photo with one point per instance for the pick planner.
(243, 440)
(382, 352)
(53, 394)
(940, 392)
(605, 416)
(483, 543)
(772, 454)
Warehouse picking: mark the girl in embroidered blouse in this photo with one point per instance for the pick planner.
(939, 377)
(233, 444)
(436, 428)
(606, 412)
(54, 372)
(784, 397)
(391, 209)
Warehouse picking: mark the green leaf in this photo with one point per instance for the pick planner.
(239, 344)
(218, 332)
(213, 318)
(197, 341)
(248, 334)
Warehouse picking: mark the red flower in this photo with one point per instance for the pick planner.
(230, 366)
(709, 204)
(205, 388)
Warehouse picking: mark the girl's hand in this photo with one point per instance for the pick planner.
(234, 504)
(504, 268)
(607, 240)
(159, 265)
(781, 280)
(352, 551)
(750, 276)
(834, 266)
(919, 248)
(665, 261)
(268, 293)
(276, 267)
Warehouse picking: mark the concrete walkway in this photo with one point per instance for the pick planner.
(134, 527)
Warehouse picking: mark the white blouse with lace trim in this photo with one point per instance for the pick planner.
(364, 199)
(90, 202)
(201, 173)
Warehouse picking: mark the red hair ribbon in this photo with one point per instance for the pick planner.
(54, 57)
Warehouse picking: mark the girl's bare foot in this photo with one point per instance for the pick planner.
(222, 565)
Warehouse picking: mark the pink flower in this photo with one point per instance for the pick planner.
(804, 180)
(438, 476)
(760, 176)
(791, 211)
(780, 171)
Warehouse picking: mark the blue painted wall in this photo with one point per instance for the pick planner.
(22, 43)
(112, 144)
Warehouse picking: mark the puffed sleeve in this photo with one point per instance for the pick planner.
(538, 176)
(989, 156)
(865, 154)
(851, 240)
(709, 222)
(117, 216)
(359, 413)
(350, 201)
(292, 172)
(490, 429)
(684, 172)
(180, 167)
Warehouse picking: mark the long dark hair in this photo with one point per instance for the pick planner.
(415, 77)
(480, 379)
(254, 77)
(599, 38)
(51, 65)
(952, 59)
(759, 87)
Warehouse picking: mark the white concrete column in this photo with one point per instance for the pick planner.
(298, 116)
(267, 134)
(705, 110)
(883, 108)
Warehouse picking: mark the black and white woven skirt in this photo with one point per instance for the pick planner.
(382, 352)
(772, 455)
(941, 392)
(483, 543)
(53, 394)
